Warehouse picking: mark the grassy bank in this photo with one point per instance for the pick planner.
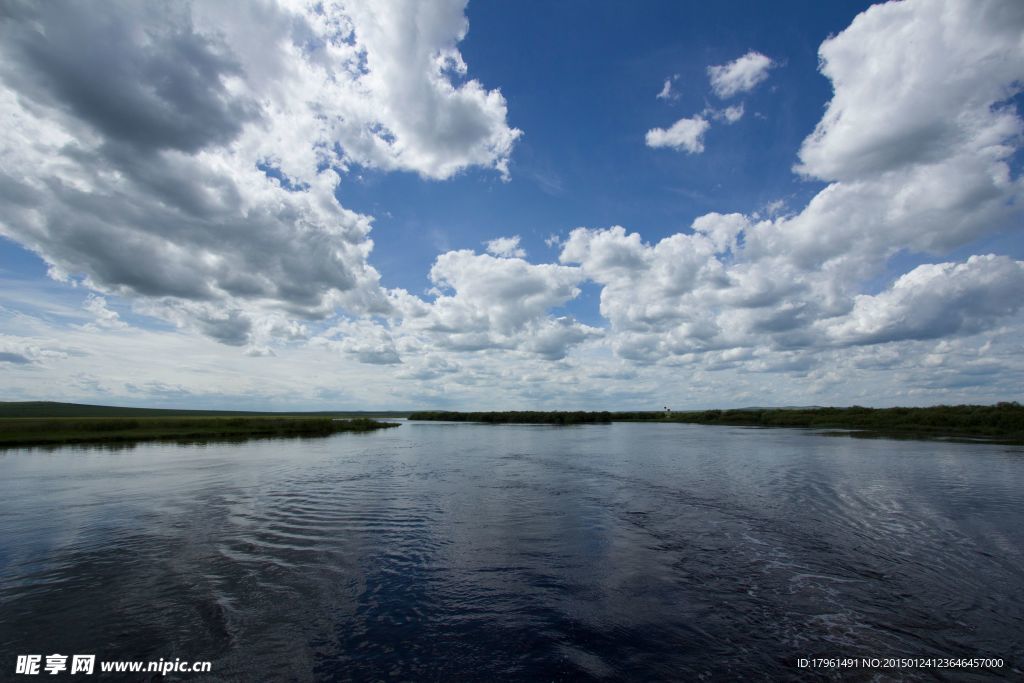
(38, 431)
(1001, 423)
(563, 417)
(58, 409)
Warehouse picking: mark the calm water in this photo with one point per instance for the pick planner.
(454, 551)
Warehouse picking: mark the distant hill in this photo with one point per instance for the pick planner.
(56, 409)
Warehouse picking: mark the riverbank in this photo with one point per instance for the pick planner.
(53, 431)
(60, 409)
(1000, 423)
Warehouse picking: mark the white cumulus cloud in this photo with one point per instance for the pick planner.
(686, 134)
(185, 156)
(486, 302)
(740, 75)
(936, 300)
(506, 247)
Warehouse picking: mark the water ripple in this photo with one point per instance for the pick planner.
(464, 551)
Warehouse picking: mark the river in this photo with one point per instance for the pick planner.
(462, 551)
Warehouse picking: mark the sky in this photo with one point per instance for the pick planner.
(577, 205)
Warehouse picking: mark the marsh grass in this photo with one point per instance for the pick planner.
(33, 431)
(999, 423)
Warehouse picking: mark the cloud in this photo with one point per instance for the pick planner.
(28, 351)
(97, 306)
(366, 341)
(183, 369)
(186, 156)
(937, 94)
(506, 247)
(731, 114)
(166, 90)
(918, 150)
(667, 93)
(935, 300)
(228, 227)
(721, 229)
(647, 291)
(496, 294)
(552, 338)
(425, 123)
(485, 302)
(429, 368)
(686, 134)
(740, 75)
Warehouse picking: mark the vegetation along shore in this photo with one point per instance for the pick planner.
(44, 423)
(999, 423)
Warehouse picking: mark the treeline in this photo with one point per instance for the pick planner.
(517, 416)
(1002, 421)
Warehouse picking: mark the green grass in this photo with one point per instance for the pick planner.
(1003, 422)
(1000, 423)
(38, 423)
(38, 431)
(56, 409)
(560, 417)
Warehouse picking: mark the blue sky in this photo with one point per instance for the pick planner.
(822, 205)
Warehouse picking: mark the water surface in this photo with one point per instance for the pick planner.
(456, 551)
